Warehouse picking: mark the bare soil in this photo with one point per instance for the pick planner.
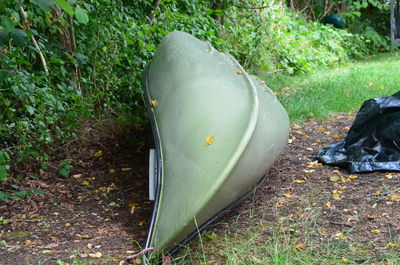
(102, 208)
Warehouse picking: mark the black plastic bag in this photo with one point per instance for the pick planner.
(373, 141)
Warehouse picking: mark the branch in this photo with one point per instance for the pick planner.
(254, 7)
(26, 25)
(152, 15)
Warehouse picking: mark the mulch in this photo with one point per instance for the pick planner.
(100, 213)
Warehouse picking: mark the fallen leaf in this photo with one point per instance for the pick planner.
(391, 245)
(314, 164)
(389, 176)
(280, 204)
(320, 129)
(126, 169)
(328, 205)
(327, 133)
(384, 214)
(111, 170)
(47, 251)
(394, 197)
(336, 136)
(300, 181)
(376, 231)
(378, 192)
(82, 236)
(300, 246)
(85, 183)
(334, 178)
(98, 154)
(239, 72)
(299, 133)
(341, 236)
(287, 195)
(344, 180)
(370, 217)
(113, 204)
(345, 259)
(353, 177)
(89, 246)
(336, 197)
(133, 208)
(209, 141)
(133, 204)
(96, 255)
(28, 242)
(76, 176)
(141, 223)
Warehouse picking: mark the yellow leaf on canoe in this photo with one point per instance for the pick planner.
(209, 141)
(153, 103)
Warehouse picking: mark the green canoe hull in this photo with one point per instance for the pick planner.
(217, 131)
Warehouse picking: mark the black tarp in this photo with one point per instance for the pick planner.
(373, 141)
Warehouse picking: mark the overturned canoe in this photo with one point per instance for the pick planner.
(217, 132)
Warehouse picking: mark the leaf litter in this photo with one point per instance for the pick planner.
(114, 207)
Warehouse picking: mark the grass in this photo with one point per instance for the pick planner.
(338, 90)
(280, 243)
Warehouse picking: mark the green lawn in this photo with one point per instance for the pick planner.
(337, 90)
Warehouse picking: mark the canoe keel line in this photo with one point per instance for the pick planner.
(217, 132)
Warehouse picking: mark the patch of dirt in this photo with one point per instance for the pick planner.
(103, 207)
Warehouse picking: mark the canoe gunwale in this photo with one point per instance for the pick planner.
(156, 138)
